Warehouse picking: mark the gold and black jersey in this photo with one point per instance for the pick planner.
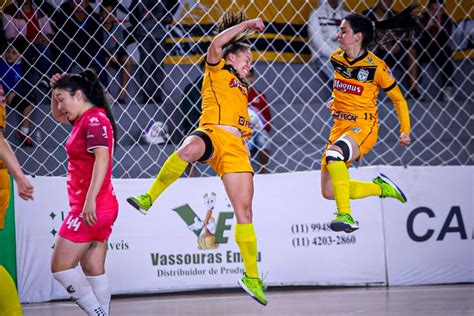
(225, 98)
(357, 83)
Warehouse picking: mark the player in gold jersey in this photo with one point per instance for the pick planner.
(9, 164)
(9, 302)
(358, 77)
(219, 139)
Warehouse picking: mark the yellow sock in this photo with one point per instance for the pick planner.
(340, 185)
(9, 302)
(172, 169)
(362, 189)
(247, 241)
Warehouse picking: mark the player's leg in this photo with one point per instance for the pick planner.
(239, 189)
(343, 150)
(9, 302)
(381, 186)
(195, 147)
(387, 188)
(66, 256)
(93, 265)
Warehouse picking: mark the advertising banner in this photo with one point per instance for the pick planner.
(187, 240)
(430, 239)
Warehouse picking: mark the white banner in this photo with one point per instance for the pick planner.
(159, 252)
(430, 239)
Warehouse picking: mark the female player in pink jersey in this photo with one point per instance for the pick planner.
(79, 99)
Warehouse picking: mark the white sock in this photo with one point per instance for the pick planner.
(80, 290)
(101, 287)
(25, 130)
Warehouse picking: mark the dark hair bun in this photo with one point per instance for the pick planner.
(90, 76)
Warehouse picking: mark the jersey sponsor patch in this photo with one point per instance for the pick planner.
(234, 82)
(345, 116)
(93, 121)
(348, 87)
(362, 75)
(244, 122)
(96, 134)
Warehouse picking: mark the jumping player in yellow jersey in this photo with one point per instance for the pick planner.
(9, 302)
(359, 76)
(218, 141)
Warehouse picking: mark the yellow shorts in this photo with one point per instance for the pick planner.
(365, 134)
(230, 154)
(9, 301)
(4, 195)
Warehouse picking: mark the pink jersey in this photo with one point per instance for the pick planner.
(93, 129)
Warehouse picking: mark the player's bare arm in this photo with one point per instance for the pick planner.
(214, 52)
(98, 175)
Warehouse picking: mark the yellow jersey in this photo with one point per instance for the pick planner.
(225, 98)
(357, 84)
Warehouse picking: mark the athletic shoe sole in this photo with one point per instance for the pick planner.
(245, 288)
(136, 206)
(387, 179)
(342, 227)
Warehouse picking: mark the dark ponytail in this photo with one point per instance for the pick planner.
(399, 27)
(88, 82)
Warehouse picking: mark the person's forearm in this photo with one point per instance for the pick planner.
(401, 107)
(98, 174)
(226, 36)
(7, 155)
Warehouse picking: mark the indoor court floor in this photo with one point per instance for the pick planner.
(446, 300)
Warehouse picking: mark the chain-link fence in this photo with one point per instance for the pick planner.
(147, 54)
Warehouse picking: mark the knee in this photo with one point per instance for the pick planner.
(187, 152)
(191, 150)
(92, 269)
(244, 214)
(57, 266)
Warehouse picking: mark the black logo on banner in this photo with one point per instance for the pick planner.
(70, 289)
(453, 223)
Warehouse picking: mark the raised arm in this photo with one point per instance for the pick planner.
(214, 52)
(58, 116)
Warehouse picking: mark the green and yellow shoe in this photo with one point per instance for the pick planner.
(389, 188)
(254, 287)
(142, 202)
(345, 223)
